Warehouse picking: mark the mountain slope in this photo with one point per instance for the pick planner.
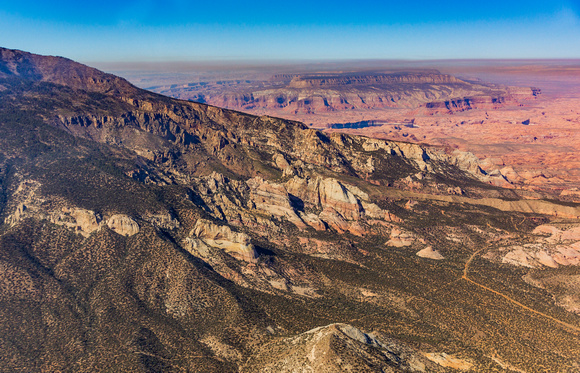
(143, 233)
(58, 70)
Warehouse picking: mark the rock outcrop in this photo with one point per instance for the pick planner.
(33, 205)
(449, 361)
(337, 348)
(555, 235)
(553, 247)
(400, 238)
(430, 253)
(328, 193)
(123, 225)
(273, 199)
(86, 220)
(343, 207)
(318, 203)
(206, 233)
(162, 220)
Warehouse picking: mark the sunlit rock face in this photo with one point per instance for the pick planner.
(123, 225)
(205, 233)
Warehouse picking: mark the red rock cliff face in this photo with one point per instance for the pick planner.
(512, 96)
(294, 94)
(467, 103)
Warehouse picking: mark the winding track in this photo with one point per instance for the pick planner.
(513, 301)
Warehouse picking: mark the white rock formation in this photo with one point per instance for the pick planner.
(206, 233)
(162, 220)
(449, 361)
(552, 248)
(123, 225)
(273, 199)
(329, 192)
(430, 253)
(399, 238)
(86, 220)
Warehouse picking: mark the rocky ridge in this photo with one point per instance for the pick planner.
(143, 233)
(338, 348)
(59, 70)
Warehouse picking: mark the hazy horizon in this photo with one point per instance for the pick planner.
(552, 75)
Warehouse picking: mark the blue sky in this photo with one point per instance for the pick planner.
(171, 30)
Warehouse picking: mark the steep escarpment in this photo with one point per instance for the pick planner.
(295, 94)
(144, 233)
(512, 96)
(323, 80)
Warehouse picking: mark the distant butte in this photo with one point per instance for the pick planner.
(322, 93)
